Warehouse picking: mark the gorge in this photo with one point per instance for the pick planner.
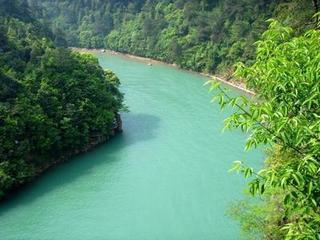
(164, 177)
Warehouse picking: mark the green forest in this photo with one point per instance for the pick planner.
(56, 103)
(206, 36)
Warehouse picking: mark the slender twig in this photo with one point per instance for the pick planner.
(260, 124)
(272, 133)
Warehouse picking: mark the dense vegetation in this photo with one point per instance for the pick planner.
(284, 116)
(205, 35)
(211, 35)
(53, 102)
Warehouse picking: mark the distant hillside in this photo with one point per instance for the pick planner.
(205, 35)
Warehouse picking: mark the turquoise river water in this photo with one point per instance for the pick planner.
(165, 178)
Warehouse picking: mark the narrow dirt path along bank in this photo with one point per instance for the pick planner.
(233, 84)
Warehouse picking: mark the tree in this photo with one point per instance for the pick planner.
(285, 117)
(54, 103)
(148, 27)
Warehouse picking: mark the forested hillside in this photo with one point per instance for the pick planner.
(53, 102)
(206, 35)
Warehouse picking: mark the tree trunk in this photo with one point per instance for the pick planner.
(316, 5)
(316, 9)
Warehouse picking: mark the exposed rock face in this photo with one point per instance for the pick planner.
(118, 121)
(99, 139)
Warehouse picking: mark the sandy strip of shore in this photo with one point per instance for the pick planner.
(233, 84)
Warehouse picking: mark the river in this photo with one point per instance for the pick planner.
(165, 178)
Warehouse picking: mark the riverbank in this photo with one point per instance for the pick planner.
(231, 83)
(147, 175)
(95, 140)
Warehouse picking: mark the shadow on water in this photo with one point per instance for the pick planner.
(137, 128)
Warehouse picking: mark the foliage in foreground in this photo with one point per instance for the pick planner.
(53, 102)
(285, 117)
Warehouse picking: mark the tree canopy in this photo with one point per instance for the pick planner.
(206, 35)
(53, 102)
